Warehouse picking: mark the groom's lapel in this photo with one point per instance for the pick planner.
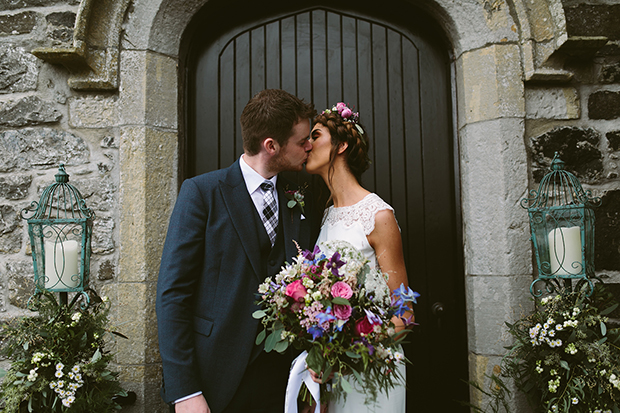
(291, 218)
(241, 210)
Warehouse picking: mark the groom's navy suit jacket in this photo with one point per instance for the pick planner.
(210, 271)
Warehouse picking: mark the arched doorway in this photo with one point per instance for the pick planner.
(396, 71)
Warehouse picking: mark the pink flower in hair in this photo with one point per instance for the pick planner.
(340, 106)
(346, 112)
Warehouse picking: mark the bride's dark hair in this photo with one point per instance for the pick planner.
(346, 131)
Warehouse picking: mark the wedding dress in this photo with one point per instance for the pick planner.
(353, 224)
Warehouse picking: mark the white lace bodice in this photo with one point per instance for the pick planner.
(354, 223)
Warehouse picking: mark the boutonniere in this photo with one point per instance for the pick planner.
(295, 198)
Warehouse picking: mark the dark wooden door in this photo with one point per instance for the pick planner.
(394, 67)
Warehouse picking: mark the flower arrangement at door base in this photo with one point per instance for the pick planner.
(566, 355)
(58, 359)
(330, 303)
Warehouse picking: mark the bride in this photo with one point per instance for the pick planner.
(340, 156)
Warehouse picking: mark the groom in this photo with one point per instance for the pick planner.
(229, 230)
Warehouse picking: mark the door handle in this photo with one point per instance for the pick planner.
(438, 309)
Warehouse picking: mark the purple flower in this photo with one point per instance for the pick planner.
(310, 255)
(372, 317)
(342, 312)
(406, 294)
(335, 263)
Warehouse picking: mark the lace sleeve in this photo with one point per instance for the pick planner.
(362, 213)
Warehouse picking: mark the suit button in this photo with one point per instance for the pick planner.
(272, 262)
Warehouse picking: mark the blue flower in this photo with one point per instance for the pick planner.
(325, 317)
(316, 332)
(406, 294)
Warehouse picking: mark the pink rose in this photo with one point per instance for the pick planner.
(346, 113)
(296, 290)
(342, 312)
(342, 289)
(363, 326)
(340, 106)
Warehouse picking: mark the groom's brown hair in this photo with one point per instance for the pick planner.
(272, 113)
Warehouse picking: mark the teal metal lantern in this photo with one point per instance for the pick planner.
(562, 225)
(60, 227)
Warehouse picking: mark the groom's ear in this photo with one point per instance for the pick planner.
(271, 146)
(342, 147)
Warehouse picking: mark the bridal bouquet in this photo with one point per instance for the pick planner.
(330, 303)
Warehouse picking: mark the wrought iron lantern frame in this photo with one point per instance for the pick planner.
(562, 220)
(60, 231)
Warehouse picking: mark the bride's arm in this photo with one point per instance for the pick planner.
(387, 243)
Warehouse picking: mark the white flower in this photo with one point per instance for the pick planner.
(559, 327)
(575, 400)
(105, 299)
(52, 384)
(316, 296)
(307, 282)
(76, 369)
(58, 373)
(76, 316)
(60, 383)
(59, 366)
(33, 374)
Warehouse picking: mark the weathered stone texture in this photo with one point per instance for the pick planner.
(14, 186)
(10, 225)
(593, 20)
(106, 271)
(613, 138)
(610, 74)
(552, 103)
(97, 192)
(97, 112)
(103, 235)
(28, 111)
(60, 26)
(21, 282)
(604, 105)
(607, 248)
(25, 149)
(18, 70)
(577, 147)
(18, 23)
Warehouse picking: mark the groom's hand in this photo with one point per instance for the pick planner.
(196, 404)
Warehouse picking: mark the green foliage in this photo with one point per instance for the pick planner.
(566, 355)
(58, 359)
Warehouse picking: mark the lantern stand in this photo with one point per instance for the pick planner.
(561, 218)
(60, 230)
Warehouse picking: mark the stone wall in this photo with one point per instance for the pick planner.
(524, 90)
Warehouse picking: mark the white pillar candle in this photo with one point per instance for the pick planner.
(565, 251)
(61, 263)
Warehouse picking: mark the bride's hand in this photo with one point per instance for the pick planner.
(316, 377)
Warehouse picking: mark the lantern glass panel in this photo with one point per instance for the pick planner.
(563, 240)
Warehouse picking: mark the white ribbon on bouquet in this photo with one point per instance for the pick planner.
(299, 373)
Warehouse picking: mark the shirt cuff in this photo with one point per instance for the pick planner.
(187, 397)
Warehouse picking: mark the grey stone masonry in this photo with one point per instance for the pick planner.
(18, 70)
(604, 104)
(28, 111)
(19, 23)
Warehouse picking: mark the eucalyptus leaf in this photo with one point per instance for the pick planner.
(346, 386)
(291, 203)
(601, 341)
(281, 346)
(96, 356)
(326, 373)
(258, 314)
(603, 329)
(353, 355)
(564, 364)
(261, 337)
(609, 310)
(357, 375)
(272, 340)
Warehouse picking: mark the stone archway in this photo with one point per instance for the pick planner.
(134, 47)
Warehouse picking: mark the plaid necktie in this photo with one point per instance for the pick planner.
(270, 213)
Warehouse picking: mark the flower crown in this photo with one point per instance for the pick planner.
(347, 114)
